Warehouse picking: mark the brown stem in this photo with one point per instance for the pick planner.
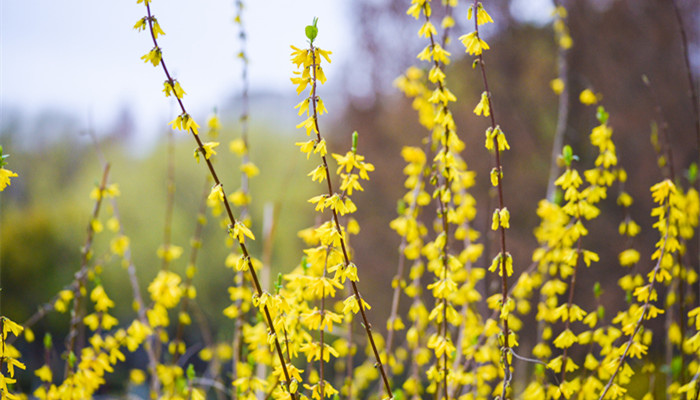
(81, 277)
(245, 106)
(638, 326)
(402, 256)
(170, 200)
(562, 119)
(482, 338)
(689, 71)
(367, 325)
(572, 286)
(499, 168)
(194, 252)
(229, 212)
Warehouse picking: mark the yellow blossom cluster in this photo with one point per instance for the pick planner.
(312, 291)
(296, 337)
(451, 253)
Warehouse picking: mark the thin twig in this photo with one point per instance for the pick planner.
(501, 206)
(229, 212)
(81, 278)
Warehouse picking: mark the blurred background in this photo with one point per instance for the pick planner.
(70, 68)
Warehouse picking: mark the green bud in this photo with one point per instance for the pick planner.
(602, 115)
(311, 30)
(567, 154)
(190, 372)
(692, 173)
(597, 290)
(48, 341)
(676, 365)
(400, 206)
(355, 136)
(558, 196)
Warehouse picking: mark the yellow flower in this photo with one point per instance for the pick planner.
(154, 56)
(165, 289)
(110, 191)
(570, 179)
(249, 169)
(100, 298)
(188, 123)
(661, 190)
(303, 106)
(217, 193)
(496, 264)
(352, 305)
(11, 363)
(44, 374)
(5, 175)
(473, 44)
(173, 88)
(64, 296)
(318, 174)
(209, 149)
(96, 225)
(119, 245)
(483, 106)
(427, 30)
(565, 42)
(628, 257)
(169, 252)
(307, 147)
(10, 326)
(141, 24)
(239, 198)
(238, 147)
(587, 97)
(239, 231)
(482, 17)
(557, 85)
(113, 224)
(156, 28)
(350, 183)
(500, 218)
(324, 53)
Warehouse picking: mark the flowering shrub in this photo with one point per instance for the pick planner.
(298, 338)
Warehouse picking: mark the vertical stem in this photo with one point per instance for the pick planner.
(346, 257)
(81, 278)
(499, 168)
(229, 213)
(562, 117)
(170, 199)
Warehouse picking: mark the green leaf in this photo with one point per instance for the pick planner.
(311, 30)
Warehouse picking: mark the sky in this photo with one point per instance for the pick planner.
(83, 56)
